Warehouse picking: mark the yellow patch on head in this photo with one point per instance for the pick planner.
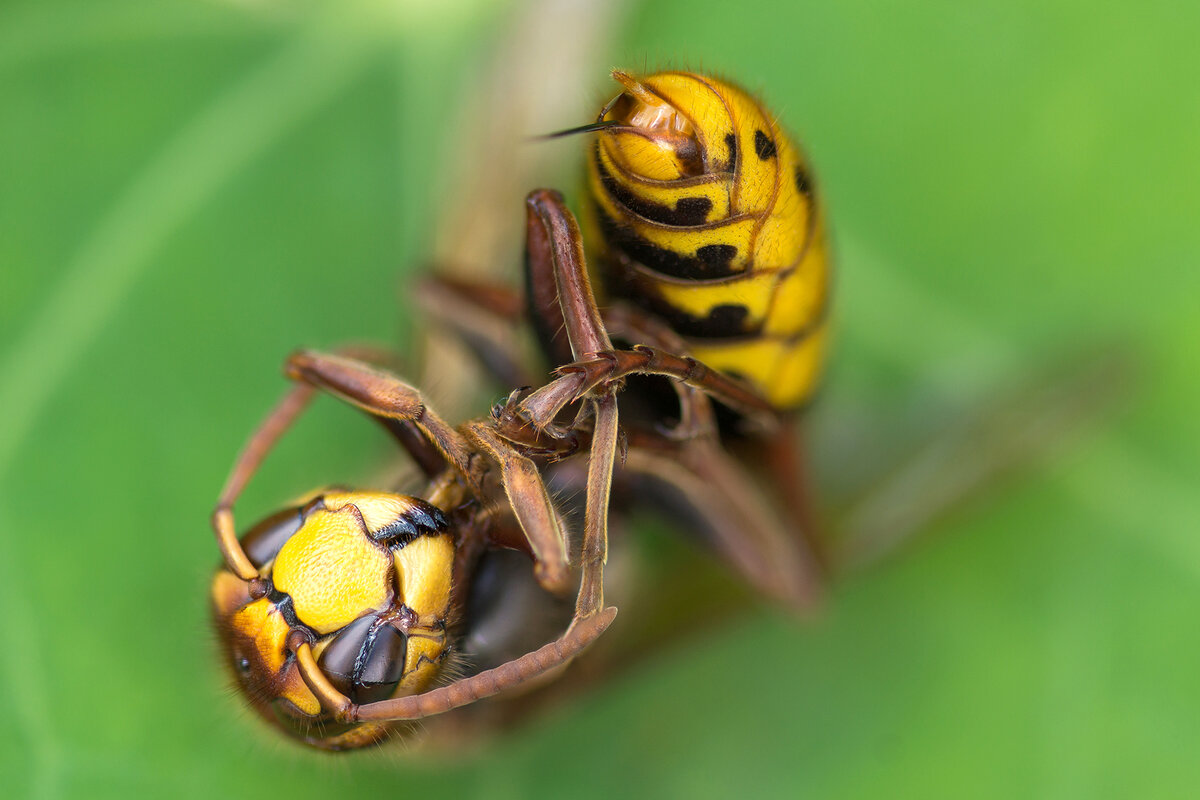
(423, 569)
(332, 570)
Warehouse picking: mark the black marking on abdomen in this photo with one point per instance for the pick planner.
(691, 211)
(803, 181)
(722, 322)
(688, 211)
(763, 146)
(718, 257)
(715, 263)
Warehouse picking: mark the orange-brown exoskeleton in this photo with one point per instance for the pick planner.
(712, 251)
(338, 616)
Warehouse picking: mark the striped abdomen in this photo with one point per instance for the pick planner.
(709, 220)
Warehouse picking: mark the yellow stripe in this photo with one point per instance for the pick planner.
(714, 187)
(752, 291)
(801, 295)
(785, 371)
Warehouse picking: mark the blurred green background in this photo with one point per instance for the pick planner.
(189, 190)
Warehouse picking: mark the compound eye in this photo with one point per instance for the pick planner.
(263, 542)
(365, 660)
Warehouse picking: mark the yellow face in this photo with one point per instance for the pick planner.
(707, 216)
(364, 577)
